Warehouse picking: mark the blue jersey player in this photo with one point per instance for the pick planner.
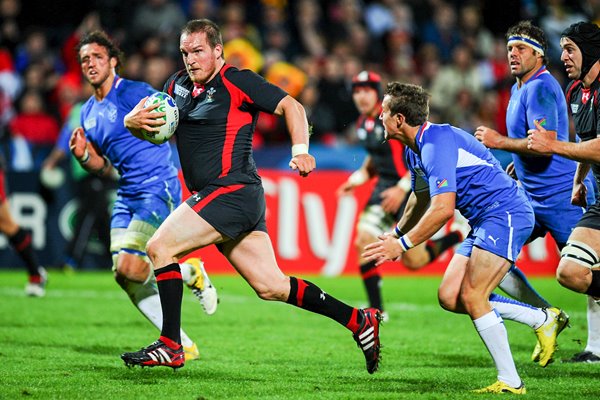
(548, 180)
(451, 170)
(148, 187)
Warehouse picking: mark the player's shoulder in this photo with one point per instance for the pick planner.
(239, 76)
(178, 84)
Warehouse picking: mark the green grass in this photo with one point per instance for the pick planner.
(67, 346)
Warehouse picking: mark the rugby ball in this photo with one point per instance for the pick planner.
(167, 106)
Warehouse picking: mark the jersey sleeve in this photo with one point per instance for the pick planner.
(264, 95)
(541, 106)
(135, 91)
(439, 155)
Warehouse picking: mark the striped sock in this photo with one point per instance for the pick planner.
(170, 288)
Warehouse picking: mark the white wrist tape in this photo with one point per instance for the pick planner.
(85, 158)
(299, 149)
(358, 177)
(405, 183)
(397, 232)
(405, 243)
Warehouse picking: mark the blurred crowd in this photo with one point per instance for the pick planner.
(311, 48)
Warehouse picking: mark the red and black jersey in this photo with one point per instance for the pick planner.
(387, 156)
(583, 106)
(216, 125)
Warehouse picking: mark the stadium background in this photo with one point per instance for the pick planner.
(312, 49)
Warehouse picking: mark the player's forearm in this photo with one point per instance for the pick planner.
(94, 163)
(583, 168)
(296, 121)
(413, 211)
(431, 222)
(588, 151)
(518, 146)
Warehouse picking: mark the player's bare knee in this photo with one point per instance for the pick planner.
(447, 298)
(573, 276)
(577, 260)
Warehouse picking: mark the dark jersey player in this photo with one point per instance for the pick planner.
(578, 268)
(385, 160)
(219, 107)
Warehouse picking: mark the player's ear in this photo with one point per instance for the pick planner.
(399, 120)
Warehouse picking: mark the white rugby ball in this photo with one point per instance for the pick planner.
(168, 106)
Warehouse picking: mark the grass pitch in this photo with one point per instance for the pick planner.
(67, 346)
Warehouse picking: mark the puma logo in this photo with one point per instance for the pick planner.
(492, 239)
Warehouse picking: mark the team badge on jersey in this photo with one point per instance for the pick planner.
(574, 108)
(209, 95)
(111, 112)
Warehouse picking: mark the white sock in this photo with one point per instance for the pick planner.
(519, 312)
(492, 331)
(593, 320)
(150, 307)
(516, 285)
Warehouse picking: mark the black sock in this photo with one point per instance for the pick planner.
(21, 242)
(594, 288)
(170, 289)
(372, 280)
(438, 246)
(308, 296)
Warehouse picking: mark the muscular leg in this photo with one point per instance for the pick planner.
(483, 272)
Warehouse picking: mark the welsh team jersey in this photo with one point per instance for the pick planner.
(140, 163)
(216, 125)
(449, 159)
(583, 104)
(540, 99)
(387, 156)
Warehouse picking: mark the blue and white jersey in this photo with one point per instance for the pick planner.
(451, 160)
(540, 99)
(140, 163)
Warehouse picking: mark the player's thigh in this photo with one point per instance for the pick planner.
(182, 232)
(8, 225)
(252, 255)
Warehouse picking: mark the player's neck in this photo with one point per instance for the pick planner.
(592, 75)
(530, 74)
(102, 91)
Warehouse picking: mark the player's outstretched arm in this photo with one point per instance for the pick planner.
(295, 119)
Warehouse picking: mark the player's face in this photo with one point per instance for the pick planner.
(96, 64)
(522, 59)
(366, 99)
(201, 61)
(390, 122)
(572, 58)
